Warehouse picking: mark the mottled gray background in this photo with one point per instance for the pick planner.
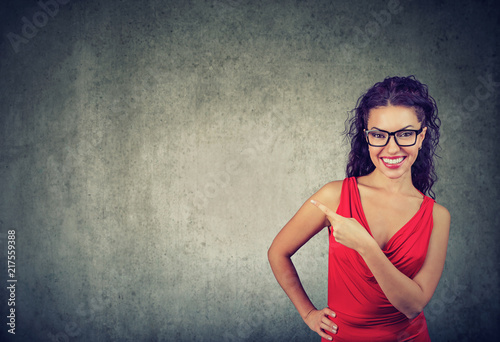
(151, 150)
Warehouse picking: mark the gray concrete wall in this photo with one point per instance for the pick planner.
(151, 150)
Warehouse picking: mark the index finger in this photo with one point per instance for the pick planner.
(327, 211)
(324, 208)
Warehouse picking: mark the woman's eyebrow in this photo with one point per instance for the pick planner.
(387, 131)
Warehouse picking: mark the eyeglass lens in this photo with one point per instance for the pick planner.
(403, 138)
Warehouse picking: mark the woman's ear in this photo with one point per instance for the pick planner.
(422, 136)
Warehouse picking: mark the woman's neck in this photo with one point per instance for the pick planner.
(402, 185)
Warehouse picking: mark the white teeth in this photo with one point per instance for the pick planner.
(393, 161)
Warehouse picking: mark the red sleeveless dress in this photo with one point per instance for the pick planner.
(363, 311)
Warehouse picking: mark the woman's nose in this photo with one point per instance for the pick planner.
(392, 146)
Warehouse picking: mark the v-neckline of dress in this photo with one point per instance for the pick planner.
(399, 231)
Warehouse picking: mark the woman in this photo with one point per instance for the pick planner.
(388, 239)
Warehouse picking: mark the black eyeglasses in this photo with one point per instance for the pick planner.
(403, 137)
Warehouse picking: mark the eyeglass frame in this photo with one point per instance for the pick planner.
(417, 132)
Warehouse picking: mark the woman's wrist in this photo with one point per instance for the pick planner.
(304, 317)
(368, 247)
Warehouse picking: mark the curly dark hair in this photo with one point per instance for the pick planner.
(396, 91)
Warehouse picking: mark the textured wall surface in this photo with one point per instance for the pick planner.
(151, 150)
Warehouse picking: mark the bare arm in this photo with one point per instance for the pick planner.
(409, 296)
(306, 223)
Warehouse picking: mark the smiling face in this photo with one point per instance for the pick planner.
(392, 160)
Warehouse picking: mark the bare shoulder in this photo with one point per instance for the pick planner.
(334, 186)
(332, 189)
(329, 194)
(441, 215)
